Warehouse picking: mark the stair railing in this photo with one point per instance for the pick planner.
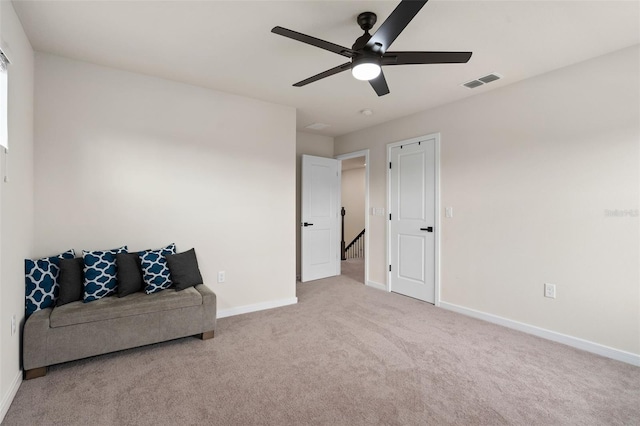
(355, 249)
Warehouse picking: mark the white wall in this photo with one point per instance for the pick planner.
(307, 144)
(353, 201)
(16, 198)
(530, 170)
(123, 158)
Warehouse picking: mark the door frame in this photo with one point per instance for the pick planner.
(437, 226)
(362, 153)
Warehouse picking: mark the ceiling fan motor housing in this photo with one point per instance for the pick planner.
(365, 58)
(367, 20)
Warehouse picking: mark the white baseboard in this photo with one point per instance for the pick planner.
(7, 399)
(576, 342)
(377, 285)
(256, 307)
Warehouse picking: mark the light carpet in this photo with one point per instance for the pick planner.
(344, 355)
(353, 268)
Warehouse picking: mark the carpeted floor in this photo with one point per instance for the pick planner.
(353, 268)
(346, 354)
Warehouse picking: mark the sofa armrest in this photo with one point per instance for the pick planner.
(210, 307)
(34, 339)
(208, 296)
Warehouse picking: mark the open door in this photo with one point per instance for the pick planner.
(320, 218)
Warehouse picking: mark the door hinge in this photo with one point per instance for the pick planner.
(389, 216)
(389, 164)
(389, 268)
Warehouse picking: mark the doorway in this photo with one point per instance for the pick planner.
(354, 215)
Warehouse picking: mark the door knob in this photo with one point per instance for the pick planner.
(307, 224)
(428, 229)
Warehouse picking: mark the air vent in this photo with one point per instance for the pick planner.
(482, 80)
(473, 84)
(489, 78)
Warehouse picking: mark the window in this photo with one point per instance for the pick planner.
(4, 101)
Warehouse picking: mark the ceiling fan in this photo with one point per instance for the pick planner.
(369, 53)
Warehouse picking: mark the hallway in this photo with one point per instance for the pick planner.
(354, 269)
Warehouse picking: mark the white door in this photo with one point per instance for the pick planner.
(412, 220)
(320, 217)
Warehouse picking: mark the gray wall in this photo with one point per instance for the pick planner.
(530, 170)
(353, 200)
(16, 197)
(123, 158)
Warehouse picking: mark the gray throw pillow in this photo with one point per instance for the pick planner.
(71, 280)
(184, 270)
(129, 273)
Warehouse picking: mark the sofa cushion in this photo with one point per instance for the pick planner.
(155, 271)
(113, 307)
(129, 273)
(70, 280)
(184, 269)
(100, 270)
(41, 281)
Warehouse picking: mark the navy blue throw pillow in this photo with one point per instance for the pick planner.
(100, 273)
(155, 271)
(41, 281)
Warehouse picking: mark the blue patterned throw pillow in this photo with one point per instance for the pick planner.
(41, 281)
(100, 273)
(155, 271)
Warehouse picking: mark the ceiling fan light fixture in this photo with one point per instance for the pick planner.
(370, 52)
(365, 69)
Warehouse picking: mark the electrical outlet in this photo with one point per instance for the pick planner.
(13, 324)
(448, 212)
(221, 276)
(550, 290)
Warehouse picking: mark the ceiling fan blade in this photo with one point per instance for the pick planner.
(325, 74)
(393, 26)
(322, 44)
(408, 58)
(379, 84)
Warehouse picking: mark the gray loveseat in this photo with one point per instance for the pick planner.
(79, 330)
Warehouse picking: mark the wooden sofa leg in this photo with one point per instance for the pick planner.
(207, 335)
(35, 373)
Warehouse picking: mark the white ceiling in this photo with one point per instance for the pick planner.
(227, 46)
